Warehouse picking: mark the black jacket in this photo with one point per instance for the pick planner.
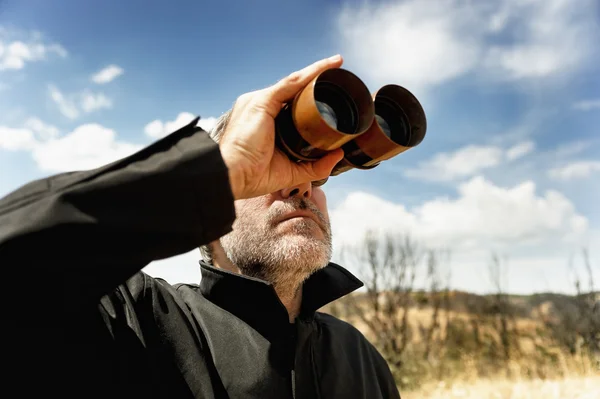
(81, 319)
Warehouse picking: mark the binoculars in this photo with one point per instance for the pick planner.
(337, 110)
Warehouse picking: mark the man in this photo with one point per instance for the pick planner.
(82, 320)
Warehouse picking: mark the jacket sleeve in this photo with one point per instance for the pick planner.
(89, 231)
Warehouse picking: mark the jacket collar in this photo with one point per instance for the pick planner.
(256, 302)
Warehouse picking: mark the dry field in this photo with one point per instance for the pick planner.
(538, 353)
(568, 388)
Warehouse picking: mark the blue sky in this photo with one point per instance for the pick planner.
(510, 163)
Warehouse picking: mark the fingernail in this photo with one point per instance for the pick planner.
(335, 57)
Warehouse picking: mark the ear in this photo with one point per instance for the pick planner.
(207, 252)
(220, 259)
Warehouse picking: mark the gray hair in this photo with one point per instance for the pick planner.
(217, 130)
(206, 251)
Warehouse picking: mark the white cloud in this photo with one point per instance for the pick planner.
(66, 106)
(107, 74)
(157, 128)
(575, 170)
(572, 148)
(57, 49)
(88, 146)
(467, 161)
(481, 216)
(15, 54)
(420, 43)
(464, 162)
(183, 268)
(12, 139)
(154, 129)
(520, 150)
(207, 123)
(537, 231)
(72, 105)
(94, 101)
(549, 37)
(411, 40)
(587, 105)
(43, 130)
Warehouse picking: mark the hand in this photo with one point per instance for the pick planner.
(256, 166)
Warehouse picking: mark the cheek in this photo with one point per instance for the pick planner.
(252, 209)
(320, 200)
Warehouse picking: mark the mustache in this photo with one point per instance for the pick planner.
(294, 204)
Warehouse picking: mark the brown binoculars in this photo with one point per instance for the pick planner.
(337, 110)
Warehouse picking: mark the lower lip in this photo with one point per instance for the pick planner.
(291, 220)
(299, 217)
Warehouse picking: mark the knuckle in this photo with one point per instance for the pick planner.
(262, 101)
(293, 78)
(243, 99)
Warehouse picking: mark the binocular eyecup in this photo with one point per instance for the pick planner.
(336, 110)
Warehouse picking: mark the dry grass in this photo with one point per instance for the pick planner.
(441, 343)
(468, 359)
(567, 388)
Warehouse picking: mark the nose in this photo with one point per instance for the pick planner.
(301, 190)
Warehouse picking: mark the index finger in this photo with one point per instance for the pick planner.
(288, 87)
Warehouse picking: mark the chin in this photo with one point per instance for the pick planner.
(305, 250)
(304, 242)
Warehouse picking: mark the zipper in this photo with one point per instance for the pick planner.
(293, 343)
(293, 385)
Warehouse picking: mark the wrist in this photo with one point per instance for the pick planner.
(235, 183)
(235, 178)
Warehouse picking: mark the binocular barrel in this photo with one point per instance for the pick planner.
(337, 110)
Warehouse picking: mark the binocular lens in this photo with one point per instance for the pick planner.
(385, 127)
(327, 113)
(336, 110)
(392, 120)
(330, 111)
(338, 104)
(400, 124)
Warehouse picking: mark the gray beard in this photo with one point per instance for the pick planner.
(284, 260)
